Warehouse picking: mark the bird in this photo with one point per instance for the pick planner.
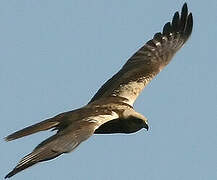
(111, 108)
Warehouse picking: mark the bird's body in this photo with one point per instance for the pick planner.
(111, 109)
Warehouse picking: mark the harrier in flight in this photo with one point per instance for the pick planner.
(111, 109)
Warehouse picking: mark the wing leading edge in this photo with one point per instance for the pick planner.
(149, 60)
(109, 115)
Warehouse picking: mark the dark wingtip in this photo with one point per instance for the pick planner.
(167, 28)
(10, 174)
(10, 137)
(184, 12)
(20, 167)
(13, 172)
(184, 15)
(185, 8)
(175, 21)
(7, 138)
(182, 24)
(189, 25)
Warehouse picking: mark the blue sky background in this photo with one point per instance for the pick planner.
(56, 54)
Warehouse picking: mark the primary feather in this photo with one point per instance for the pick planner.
(149, 60)
(110, 110)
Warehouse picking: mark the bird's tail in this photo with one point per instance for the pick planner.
(42, 126)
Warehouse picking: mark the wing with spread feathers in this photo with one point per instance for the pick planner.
(149, 60)
(63, 142)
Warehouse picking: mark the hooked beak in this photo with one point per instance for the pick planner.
(146, 126)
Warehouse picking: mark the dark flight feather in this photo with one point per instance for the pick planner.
(111, 108)
(62, 142)
(150, 59)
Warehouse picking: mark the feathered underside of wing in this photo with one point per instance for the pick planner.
(149, 60)
(62, 142)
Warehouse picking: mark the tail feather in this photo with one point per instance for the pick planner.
(42, 126)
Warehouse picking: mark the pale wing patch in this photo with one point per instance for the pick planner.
(132, 89)
(101, 119)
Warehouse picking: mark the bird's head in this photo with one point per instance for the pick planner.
(138, 123)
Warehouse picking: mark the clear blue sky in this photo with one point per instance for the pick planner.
(56, 54)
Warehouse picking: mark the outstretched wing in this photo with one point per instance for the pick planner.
(148, 61)
(64, 141)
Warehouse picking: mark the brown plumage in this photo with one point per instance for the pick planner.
(110, 110)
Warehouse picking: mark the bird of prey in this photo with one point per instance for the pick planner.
(111, 109)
